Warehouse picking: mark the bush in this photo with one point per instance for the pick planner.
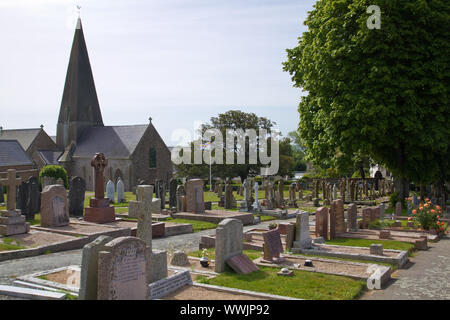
(394, 198)
(428, 217)
(55, 172)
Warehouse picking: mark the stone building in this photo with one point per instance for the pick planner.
(135, 153)
(36, 143)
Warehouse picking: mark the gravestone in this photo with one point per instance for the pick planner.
(2, 194)
(144, 225)
(11, 220)
(322, 222)
(292, 199)
(29, 198)
(273, 247)
(123, 270)
(194, 196)
(228, 242)
(352, 215)
(241, 264)
(366, 217)
(173, 193)
(302, 238)
(376, 249)
(47, 181)
(54, 206)
(179, 259)
(229, 197)
(256, 206)
(120, 191)
(181, 193)
(160, 192)
(164, 287)
(99, 210)
(398, 209)
(382, 211)
(110, 191)
(77, 189)
(280, 194)
(332, 222)
(89, 268)
(316, 202)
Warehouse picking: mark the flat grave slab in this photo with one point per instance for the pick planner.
(395, 257)
(216, 216)
(350, 269)
(252, 240)
(159, 229)
(38, 242)
(28, 293)
(82, 228)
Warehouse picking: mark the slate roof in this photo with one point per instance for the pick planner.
(114, 141)
(79, 101)
(24, 136)
(12, 154)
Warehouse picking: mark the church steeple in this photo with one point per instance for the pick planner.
(79, 105)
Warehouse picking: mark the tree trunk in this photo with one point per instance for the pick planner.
(361, 171)
(402, 187)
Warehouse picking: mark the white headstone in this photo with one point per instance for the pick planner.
(110, 190)
(120, 191)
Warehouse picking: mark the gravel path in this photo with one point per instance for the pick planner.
(11, 269)
(427, 278)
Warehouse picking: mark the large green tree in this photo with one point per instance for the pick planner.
(384, 93)
(237, 120)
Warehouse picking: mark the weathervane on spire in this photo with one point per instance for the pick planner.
(78, 10)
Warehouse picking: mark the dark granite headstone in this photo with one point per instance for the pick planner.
(173, 193)
(2, 195)
(272, 245)
(29, 198)
(77, 189)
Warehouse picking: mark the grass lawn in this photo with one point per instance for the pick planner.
(252, 254)
(267, 218)
(303, 285)
(196, 225)
(387, 244)
(7, 244)
(393, 266)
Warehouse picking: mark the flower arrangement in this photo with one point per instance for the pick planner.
(428, 217)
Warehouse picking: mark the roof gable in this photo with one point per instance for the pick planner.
(24, 136)
(12, 154)
(112, 141)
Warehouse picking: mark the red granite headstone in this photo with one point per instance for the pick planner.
(322, 222)
(99, 210)
(242, 264)
(272, 244)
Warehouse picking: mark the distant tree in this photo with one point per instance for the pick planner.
(384, 93)
(231, 120)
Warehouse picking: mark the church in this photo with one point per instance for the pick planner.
(136, 153)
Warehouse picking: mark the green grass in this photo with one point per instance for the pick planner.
(393, 266)
(196, 225)
(303, 285)
(267, 218)
(7, 244)
(387, 244)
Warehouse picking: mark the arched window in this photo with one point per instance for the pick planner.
(152, 156)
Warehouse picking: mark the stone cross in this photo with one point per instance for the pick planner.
(99, 162)
(11, 182)
(256, 203)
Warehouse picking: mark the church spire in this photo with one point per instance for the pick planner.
(79, 106)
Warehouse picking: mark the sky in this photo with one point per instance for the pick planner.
(179, 62)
